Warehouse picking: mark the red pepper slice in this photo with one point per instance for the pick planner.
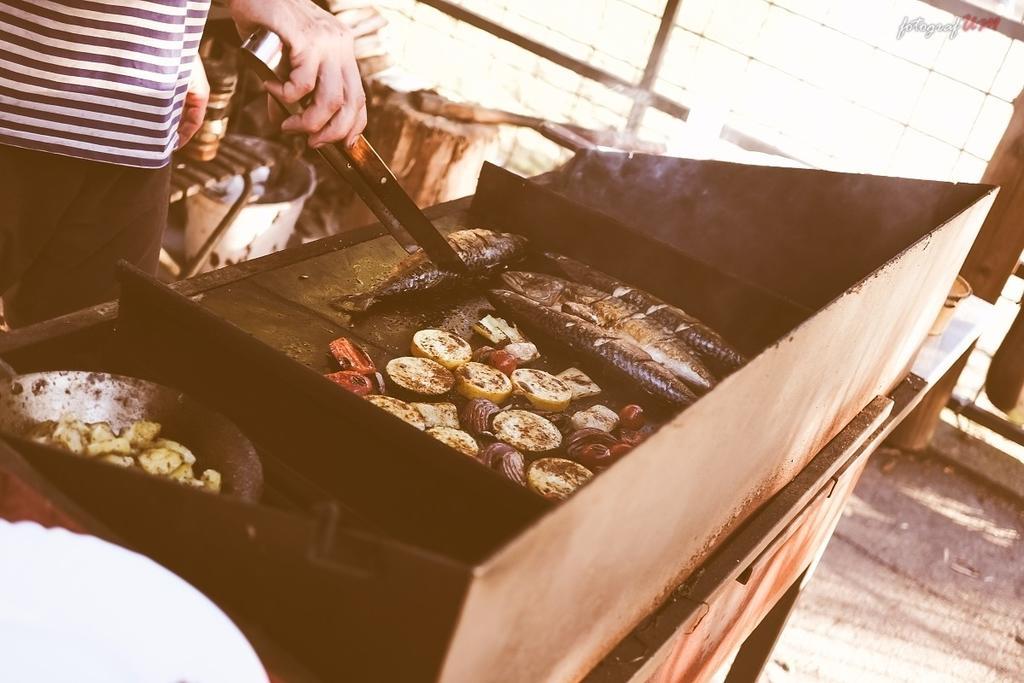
(351, 357)
(360, 385)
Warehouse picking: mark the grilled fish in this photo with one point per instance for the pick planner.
(715, 351)
(617, 316)
(483, 252)
(608, 352)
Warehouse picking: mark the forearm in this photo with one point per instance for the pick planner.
(291, 19)
(322, 56)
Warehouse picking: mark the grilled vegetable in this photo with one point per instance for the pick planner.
(720, 356)
(621, 360)
(161, 461)
(476, 380)
(101, 431)
(477, 415)
(116, 446)
(523, 352)
(487, 329)
(136, 445)
(141, 432)
(455, 438)
(444, 347)
(596, 417)
(593, 448)
(399, 409)
(632, 417)
(632, 437)
(125, 461)
(556, 478)
(186, 454)
(420, 375)
(490, 454)
(483, 251)
(507, 460)
(351, 356)
(358, 384)
(502, 361)
(542, 389)
(482, 354)
(526, 431)
(583, 437)
(581, 385)
(438, 414)
(498, 331)
(211, 480)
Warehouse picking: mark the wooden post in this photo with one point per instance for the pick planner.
(990, 263)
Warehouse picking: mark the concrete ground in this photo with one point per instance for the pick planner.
(923, 581)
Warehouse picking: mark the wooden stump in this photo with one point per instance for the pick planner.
(434, 158)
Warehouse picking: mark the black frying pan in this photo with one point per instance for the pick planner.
(98, 397)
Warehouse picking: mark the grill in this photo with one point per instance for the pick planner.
(374, 539)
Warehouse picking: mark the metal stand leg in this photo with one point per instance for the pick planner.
(757, 649)
(215, 237)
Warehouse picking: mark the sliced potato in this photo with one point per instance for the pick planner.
(556, 478)
(455, 438)
(119, 460)
(118, 446)
(41, 432)
(185, 453)
(526, 431)
(160, 461)
(69, 437)
(142, 432)
(476, 380)
(444, 347)
(438, 414)
(542, 389)
(211, 480)
(182, 473)
(399, 409)
(101, 431)
(420, 375)
(582, 386)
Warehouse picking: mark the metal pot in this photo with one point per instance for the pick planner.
(26, 400)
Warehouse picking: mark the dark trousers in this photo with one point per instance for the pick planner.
(64, 225)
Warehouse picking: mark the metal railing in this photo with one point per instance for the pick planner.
(642, 92)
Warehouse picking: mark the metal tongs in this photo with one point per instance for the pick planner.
(360, 166)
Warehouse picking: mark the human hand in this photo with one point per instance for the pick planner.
(323, 62)
(196, 99)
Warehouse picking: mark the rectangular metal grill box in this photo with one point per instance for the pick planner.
(439, 569)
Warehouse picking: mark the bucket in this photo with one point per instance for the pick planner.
(264, 226)
(960, 291)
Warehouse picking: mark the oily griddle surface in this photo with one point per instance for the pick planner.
(289, 308)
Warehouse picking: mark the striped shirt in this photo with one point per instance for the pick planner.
(103, 80)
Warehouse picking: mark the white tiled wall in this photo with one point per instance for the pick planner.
(827, 78)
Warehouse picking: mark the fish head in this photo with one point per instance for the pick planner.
(544, 289)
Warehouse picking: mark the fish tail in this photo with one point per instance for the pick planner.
(712, 349)
(354, 303)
